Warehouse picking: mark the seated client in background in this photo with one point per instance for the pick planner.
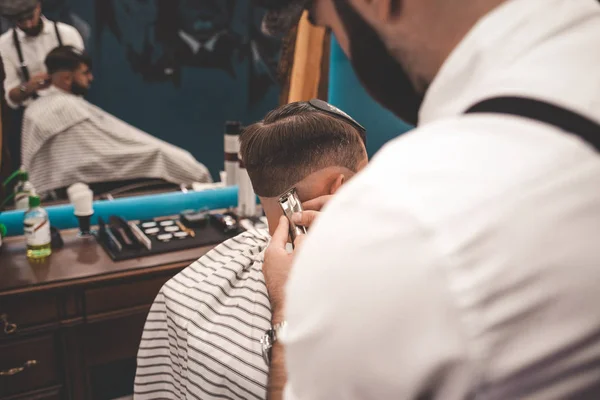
(202, 335)
(66, 139)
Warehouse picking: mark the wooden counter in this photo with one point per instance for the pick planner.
(70, 327)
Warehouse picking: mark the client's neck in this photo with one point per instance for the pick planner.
(272, 211)
(61, 84)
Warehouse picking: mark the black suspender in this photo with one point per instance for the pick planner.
(569, 121)
(58, 37)
(22, 63)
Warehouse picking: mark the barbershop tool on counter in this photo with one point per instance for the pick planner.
(140, 236)
(185, 228)
(125, 240)
(106, 236)
(227, 222)
(195, 219)
(121, 230)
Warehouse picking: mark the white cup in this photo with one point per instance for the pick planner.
(83, 202)
(76, 188)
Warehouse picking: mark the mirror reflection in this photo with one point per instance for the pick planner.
(115, 118)
(114, 93)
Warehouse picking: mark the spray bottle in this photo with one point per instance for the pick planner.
(232, 148)
(246, 195)
(23, 189)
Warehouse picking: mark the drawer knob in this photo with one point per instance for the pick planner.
(18, 370)
(9, 327)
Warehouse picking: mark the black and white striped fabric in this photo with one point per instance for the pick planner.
(202, 336)
(66, 140)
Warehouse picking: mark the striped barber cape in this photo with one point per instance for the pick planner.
(202, 335)
(66, 139)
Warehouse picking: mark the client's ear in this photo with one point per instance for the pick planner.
(337, 183)
(64, 77)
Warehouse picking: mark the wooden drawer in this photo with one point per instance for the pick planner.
(27, 365)
(25, 313)
(113, 340)
(123, 296)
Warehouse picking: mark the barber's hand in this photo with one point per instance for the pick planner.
(277, 266)
(39, 82)
(317, 204)
(312, 210)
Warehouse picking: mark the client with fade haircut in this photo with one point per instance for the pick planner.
(202, 335)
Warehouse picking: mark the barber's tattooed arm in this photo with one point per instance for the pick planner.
(278, 261)
(277, 372)
(25, 91)
(276, 269)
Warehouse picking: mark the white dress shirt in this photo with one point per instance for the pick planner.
(35, 49)
(465, 261)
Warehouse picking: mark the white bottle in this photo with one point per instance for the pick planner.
(23, 189)
(232, 148)
(246, 195)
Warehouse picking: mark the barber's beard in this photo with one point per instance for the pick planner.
(35, 30)
(382, 75)
(78, 89)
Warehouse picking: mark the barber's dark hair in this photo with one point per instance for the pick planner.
(66, 58)
(294, 141)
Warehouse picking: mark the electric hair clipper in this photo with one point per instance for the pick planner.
(290, 204)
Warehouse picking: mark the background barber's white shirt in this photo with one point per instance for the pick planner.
(465, 261)
(35, 49)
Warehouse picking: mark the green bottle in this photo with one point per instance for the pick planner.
(22, 190)
(2, 235)
(37, 231)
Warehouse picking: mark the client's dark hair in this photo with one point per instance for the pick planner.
(294, 141)
(66, 58)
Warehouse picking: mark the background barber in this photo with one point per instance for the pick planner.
(463, 262)
(24, 49)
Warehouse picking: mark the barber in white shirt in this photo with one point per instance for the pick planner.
(464, 262)
(25, 47)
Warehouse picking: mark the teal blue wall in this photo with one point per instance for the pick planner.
(346, 92)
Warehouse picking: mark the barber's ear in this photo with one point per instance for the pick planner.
(337, 183)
